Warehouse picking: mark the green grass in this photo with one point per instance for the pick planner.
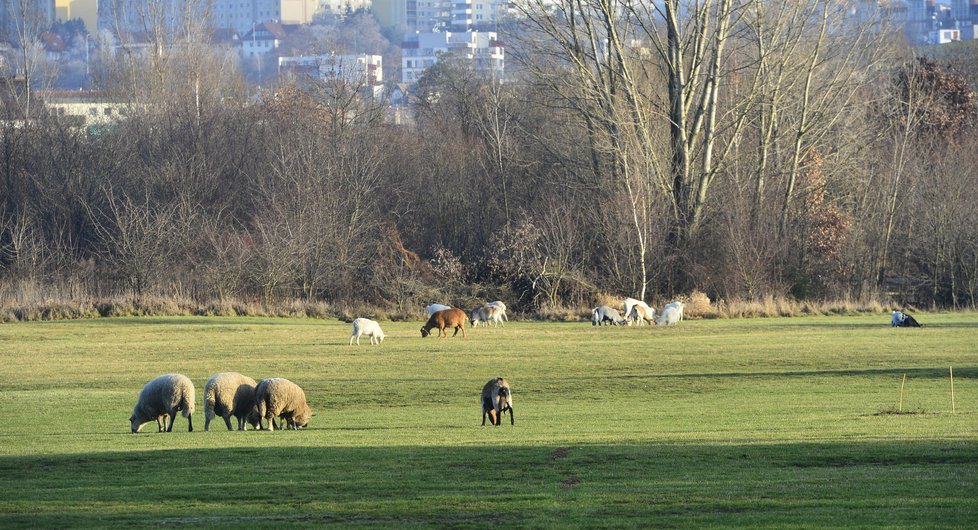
(764, 423)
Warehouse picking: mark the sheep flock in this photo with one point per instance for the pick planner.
(260, 403)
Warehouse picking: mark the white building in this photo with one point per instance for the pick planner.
(944, 36)
(440, 15)
(480, 49)
(264, 38)
(82, 108)
(361, 72)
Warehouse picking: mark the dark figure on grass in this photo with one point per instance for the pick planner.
(903, 320)
(497, 399)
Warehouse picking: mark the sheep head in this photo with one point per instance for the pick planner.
(302, 417)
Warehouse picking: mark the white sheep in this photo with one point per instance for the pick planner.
(280, 398)
(681, 307)
(434, 308)
(162, 397)
(603, 313)
(229, 394)
(370, 328)
(671, 314)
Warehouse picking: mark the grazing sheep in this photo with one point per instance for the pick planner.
(448, 318)
(370, 328)
(628, 303)
(434, 308)
(670, 314)
(681, 307)
(162, 397)
(603, 313)
(496, 399)
(487, 314)
(642, 314)
(500, 305)
(231, 394)
(280, 398)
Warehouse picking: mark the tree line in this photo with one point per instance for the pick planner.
(785, 149)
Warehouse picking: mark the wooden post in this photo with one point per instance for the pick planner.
(952, 389)
(901, 391)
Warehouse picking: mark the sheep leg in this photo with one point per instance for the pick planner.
(160, 423)
(483, 417)
(512, 421)
(227, 421)
(173, 418)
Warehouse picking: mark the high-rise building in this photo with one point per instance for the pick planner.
(135, 16)
(15, 14)
(86, 10)
(244, 15)
(422, 16)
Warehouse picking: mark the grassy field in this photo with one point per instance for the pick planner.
(765, 422)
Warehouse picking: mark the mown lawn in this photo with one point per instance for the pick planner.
(764, 423)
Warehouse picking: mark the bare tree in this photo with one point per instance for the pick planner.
(28, 23)
(136, 238)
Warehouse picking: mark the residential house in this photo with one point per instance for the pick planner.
(263, 38)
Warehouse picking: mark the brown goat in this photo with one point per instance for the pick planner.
(497, 398)
(447, 318)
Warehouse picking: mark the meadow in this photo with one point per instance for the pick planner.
(780, 422)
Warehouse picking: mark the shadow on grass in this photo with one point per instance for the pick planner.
(928, 373)
(852, 484)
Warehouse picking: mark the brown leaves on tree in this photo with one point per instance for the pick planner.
(942, 99)
(828, 226)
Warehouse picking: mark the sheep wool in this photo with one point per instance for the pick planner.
(164, 396)
(229, 394)
(279, 397)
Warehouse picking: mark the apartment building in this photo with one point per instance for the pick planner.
(425, 16)
(364, 73)
(482, 50)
